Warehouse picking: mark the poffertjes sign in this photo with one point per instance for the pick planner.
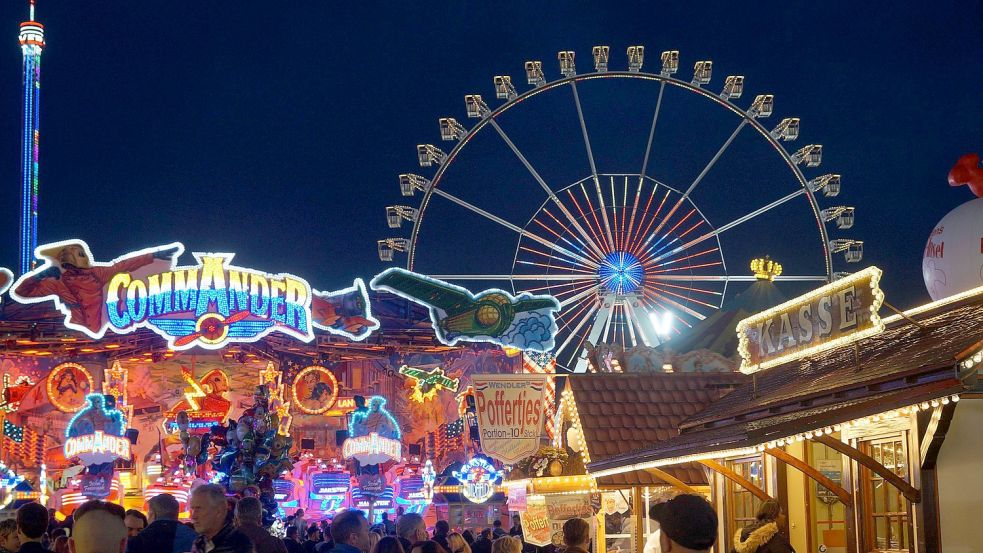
(836, 314)
(510, 414)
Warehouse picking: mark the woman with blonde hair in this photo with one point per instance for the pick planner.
(458, 543)
(507, 544)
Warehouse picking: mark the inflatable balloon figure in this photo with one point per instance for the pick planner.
(953, 258)
(252, 452)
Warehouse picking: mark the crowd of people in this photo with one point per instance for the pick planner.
(687, 523)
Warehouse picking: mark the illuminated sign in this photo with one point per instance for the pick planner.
(95, 433)
(477, 478)
(315, 390)
(428, 383)
(6, 277)
(429, 476)
(210, 304)
(342, 406)
(68, 386)
(836, 314)
(97, 448)
(204, 402)
(510, 411)
(14, 392)
(372, 449)
(524, 322)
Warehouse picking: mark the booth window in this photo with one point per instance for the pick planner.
(886, 512)
(742, 504)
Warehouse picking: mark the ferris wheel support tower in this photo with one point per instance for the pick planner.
(31, 45)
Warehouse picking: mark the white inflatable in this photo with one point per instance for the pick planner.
(953, 257)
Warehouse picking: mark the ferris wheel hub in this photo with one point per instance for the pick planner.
(621, 273)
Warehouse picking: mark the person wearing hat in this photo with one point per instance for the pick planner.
(687, 524)
(70, 277)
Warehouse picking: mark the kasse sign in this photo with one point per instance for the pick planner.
(510, 411)
(836, 314)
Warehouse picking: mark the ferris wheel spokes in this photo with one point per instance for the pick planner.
(593, 167)
(655, 119)
(549, 191)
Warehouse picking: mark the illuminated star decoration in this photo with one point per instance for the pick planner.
(194, 390)
(114, 382)
(11, 406)
(428, 383)
(274, 378)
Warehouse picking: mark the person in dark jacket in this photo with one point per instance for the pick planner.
(440, 531)
(32, 522)
(292, 541)
(350, 533)
(313, 538)
(411, 529)
(164, 534)
(484, 543)
(766, 535)
(249, 521)
(209, 512)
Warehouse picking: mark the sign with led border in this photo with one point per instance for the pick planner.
(68, 385)
(209, 304)
(6, 277)
(315, 390)
(837, 314)
(477, 478)
(510, 410)
(96, 433)
(525, 322)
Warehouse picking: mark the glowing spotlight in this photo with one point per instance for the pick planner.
(662, 322)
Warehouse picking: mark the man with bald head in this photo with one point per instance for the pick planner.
(98, 528)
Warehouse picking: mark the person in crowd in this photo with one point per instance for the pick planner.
(164, 534)
(766, 534)
(300, 522)
(98, 528)
(52, 522)
(350, 532)
(468, 537)
(327, 544)
(556, 543)
(400, 511)
(428, 546)
(292, 541)
(457, 543)
(61, 545)
(576, 535)
(313, 538)
(388, 526)
(516, 529)
(32, 522)
(652, 540)
(508, 544)
(411, 529)
(249, 521)
(484, 543)
(374, 538)
(497, 530)
(135, 522)
(388, 544)
(440, 531)
(209, 513)
(688, 524)
(9, 540)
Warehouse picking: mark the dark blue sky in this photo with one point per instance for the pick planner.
(276, 130)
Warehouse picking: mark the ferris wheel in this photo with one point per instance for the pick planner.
(634, 252)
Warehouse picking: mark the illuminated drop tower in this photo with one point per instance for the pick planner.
(31, 45)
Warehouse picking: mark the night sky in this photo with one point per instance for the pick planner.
(276, 130)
